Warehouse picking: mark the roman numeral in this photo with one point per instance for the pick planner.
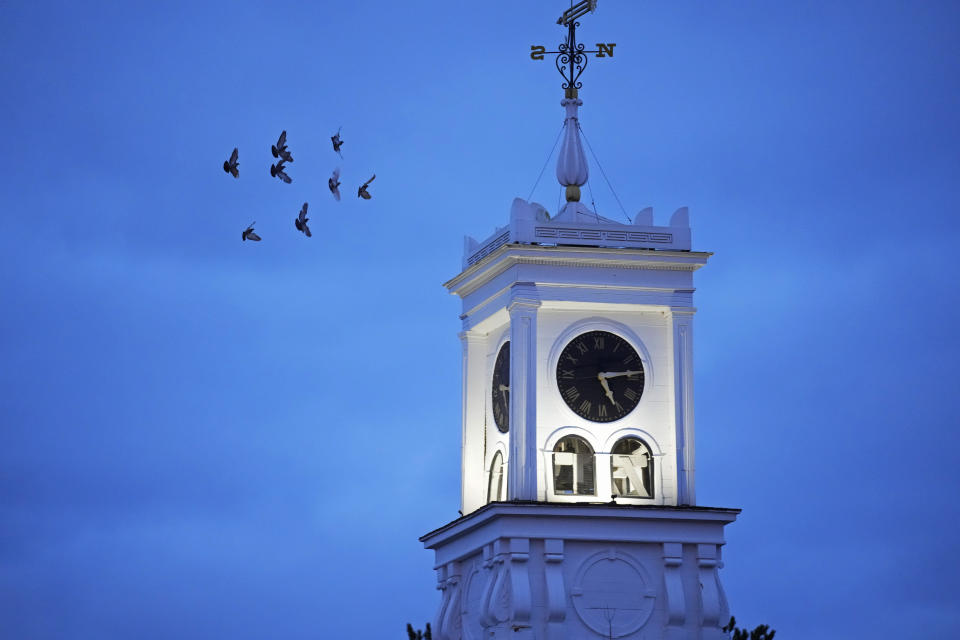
(571, 394)
(617, 346)
(566, 374)
(603, 410)
(582, 348)
(630, 395)
(629, 358)
(570, 358)
(585, 406)
(598, 342)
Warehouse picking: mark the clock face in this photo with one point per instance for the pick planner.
(600, 376)
(500, 389)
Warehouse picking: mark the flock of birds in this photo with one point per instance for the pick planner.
(277, 170)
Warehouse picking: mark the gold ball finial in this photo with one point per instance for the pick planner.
(573, 193)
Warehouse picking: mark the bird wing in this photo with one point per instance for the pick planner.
(303, 212)
(284, 176)
(282, 140)
(235, 155)
(336, 174)
(336, 193)
(306, 230)
(370, 180)
(253, 236)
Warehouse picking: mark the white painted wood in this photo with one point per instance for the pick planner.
(541, 570)
(547, 566)
(522, 476)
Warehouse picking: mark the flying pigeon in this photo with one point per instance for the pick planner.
(248, 233)
(337, 142)
(230, 166)
(362, 191)
(301, 221)
(334, 183)
(276, 170)
(279, 150)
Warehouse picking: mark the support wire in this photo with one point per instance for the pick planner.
(597, 160)
(547, 161)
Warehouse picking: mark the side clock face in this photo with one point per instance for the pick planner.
(600, 376)
(500, 388)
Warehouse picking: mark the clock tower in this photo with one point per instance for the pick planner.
(578, 486)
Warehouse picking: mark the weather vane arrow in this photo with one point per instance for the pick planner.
(572, 57)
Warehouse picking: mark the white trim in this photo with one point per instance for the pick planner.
(546, 458)
(568, 430)
(502, 450)
(636, 432)
(489, 422)
(597, 323)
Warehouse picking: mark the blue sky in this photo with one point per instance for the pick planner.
(204, 438)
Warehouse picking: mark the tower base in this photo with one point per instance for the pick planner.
(566, 571)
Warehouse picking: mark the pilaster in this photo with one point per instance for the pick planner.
(522, 467)
(472, 472)
(683, 402)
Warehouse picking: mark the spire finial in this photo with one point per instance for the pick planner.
(572, 171)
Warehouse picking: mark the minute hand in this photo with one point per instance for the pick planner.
(616, 374)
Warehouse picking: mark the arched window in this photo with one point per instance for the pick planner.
(573, 467)
(631, 468)
(495, 485)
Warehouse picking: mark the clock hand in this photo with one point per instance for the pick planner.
(504, 389)
(606, 389)
(616, 374)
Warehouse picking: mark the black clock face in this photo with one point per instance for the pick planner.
(500, 388)
(600, 376)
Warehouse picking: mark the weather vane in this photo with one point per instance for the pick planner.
(572, 57)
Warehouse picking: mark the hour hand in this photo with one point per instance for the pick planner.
(606, 389)
(504, 389)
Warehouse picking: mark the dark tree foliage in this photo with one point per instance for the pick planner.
(762, 632)
(418, 634)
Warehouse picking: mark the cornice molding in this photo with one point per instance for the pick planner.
(511, 255)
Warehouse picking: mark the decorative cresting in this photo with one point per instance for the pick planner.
(572, 171)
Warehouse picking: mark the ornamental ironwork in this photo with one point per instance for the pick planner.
(572, 56)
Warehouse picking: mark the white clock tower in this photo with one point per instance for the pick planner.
(578, 486)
